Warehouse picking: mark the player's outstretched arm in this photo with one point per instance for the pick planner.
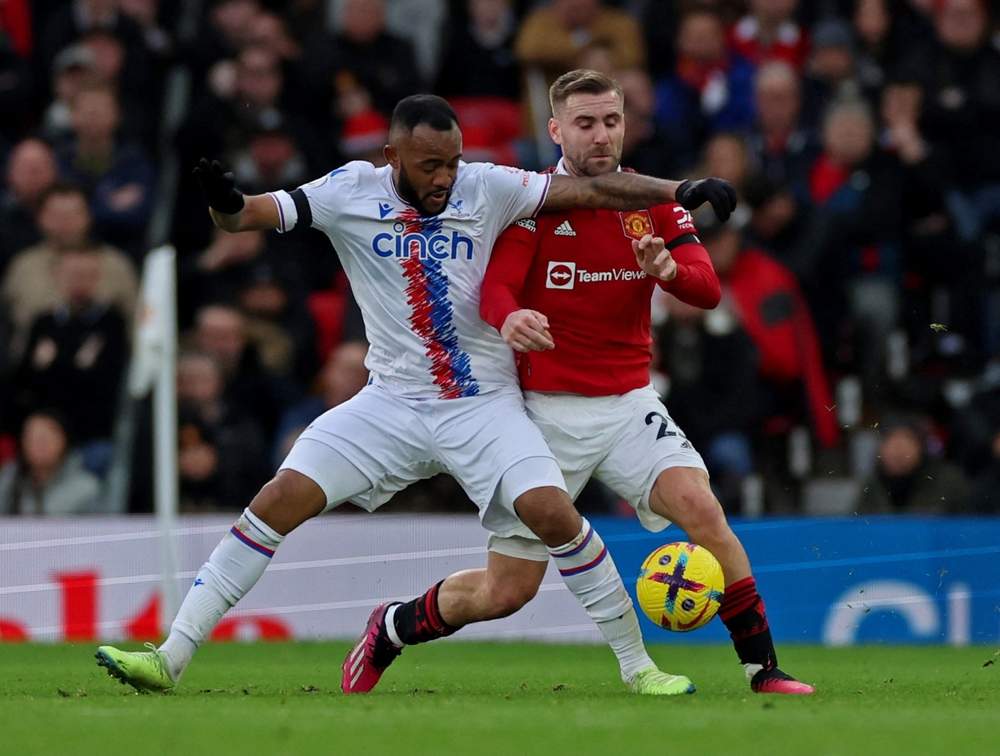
(632, 191)
(230, 209)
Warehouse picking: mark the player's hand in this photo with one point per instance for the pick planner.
(218, 187)
(526, 331)
(719, 193)
(654, 258)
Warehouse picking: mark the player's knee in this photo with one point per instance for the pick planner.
(550, 514)
(288, 500)
(690, 502)
(705, 521)
(510, 597)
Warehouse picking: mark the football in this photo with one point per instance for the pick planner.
(680, 586)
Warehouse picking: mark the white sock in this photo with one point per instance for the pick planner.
(233, 569)
(390, 625)
(625, 638)
(590, 573)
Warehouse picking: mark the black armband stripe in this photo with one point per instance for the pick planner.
(682, 239)
(302, 208)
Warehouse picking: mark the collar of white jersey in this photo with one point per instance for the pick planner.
(387, 178)
(561, 168)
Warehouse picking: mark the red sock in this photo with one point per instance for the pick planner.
(419, 620)
(743, 614)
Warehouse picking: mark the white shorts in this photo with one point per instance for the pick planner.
(624, 441)
(395, 441)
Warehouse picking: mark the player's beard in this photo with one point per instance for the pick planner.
(409, 193)
(585, 168)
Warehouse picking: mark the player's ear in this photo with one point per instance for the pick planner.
(391, 155)
(554, 131)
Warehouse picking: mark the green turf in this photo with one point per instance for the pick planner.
(474, 698)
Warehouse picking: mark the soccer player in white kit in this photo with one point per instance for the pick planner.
(414, 239)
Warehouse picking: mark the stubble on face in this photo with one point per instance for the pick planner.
(591, 130)
(425, 164)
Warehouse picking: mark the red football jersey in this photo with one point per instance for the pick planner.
(579, 270)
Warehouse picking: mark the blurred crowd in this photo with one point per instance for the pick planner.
(858, 340)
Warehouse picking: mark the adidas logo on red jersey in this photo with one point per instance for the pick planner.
(564, 229)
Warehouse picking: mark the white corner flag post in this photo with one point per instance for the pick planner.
(154, 367)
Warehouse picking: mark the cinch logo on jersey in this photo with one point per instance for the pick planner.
(433, 315)
(564, 275)
(434, 246)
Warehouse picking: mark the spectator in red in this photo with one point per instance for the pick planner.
(769, 32)
(770, 307)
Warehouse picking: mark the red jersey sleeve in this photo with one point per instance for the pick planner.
(696, 282)
(510, 261)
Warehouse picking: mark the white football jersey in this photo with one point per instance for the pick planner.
(418, 279)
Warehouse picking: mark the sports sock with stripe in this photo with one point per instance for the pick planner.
(417, 621)
(590, 573)
(742, 612)
(233, 569)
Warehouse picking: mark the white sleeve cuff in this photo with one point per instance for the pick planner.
(287, 214)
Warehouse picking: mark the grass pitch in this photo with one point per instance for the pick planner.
(490, 698)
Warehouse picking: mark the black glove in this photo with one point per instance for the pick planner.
(218, 187)
(718, 192)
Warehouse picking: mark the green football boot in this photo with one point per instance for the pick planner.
(146, 671)
(653, 682)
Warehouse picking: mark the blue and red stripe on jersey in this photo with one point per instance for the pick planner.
(433, 315)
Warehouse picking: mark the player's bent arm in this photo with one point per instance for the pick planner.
(259, 213)
(527, 331)
(612, 191)
(696, 282)
(510, 261)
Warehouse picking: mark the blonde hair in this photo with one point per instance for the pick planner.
(582, 81)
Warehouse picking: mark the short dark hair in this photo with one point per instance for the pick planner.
(59, 188)
(414, 110)
(581, 81)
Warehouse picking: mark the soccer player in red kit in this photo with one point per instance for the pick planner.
(570, 291)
